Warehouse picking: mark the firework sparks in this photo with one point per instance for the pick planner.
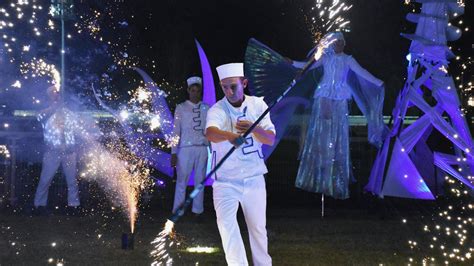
(328, 16)
(161, 243)
(447, 233)
(122, 179)
(39, 68)
(4, 151)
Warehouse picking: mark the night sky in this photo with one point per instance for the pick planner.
(158, 36)
(224, 27)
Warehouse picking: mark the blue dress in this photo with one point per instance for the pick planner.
(325, 161)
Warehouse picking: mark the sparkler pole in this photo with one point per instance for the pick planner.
(322, 205)
(182, 208)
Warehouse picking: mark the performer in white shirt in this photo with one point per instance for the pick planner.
(192, 149)
(240, 178)
(60, 128)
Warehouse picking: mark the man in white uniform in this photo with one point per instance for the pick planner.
(240, 179)
(60, 126)
(192, 149)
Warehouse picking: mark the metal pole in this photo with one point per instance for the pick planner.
(63, 50)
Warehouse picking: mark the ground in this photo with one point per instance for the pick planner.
(297, 236)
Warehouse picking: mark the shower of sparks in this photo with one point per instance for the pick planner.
(141, 95)
(161, 243)
(20, 25)
(4, 151)
(155, 122)
(39, 68)
(447, 236)
(327, 16)
(93, 23)
(323, 45)
(172, 140)
(119, 174)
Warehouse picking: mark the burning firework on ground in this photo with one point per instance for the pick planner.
(122, 177)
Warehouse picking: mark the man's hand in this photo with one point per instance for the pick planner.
(242, 126)
(264, 136)
(236, 139)
(216, 135)
(174, 160)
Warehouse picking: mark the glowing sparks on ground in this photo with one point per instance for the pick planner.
(447, 234)
(161, 243)
(199, 249)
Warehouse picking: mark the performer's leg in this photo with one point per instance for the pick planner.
(184, 167)
(51, 161)
(254, 206)
(340, 170)
(69, 165)
(226, 203)
(200, 166)
(327, 109)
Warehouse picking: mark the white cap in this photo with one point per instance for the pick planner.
(194, 80)
(230, 70)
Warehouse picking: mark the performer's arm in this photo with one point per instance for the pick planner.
(214, 134)
(318, 56)
(214, 122)
(264, 136)
(264, 132)
(364, 73)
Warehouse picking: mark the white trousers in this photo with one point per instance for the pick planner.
(189, 158)
(252, 196)
(51, 161)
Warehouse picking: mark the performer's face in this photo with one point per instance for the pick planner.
(233, 88)
(53, 94)
(195, 92)
(338, 46)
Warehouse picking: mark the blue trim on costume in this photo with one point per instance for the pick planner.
(197, 119)
(250, 145)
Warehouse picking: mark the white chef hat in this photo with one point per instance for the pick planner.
(194, 80)
(230, 70)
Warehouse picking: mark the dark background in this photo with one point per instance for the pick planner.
(224, 27)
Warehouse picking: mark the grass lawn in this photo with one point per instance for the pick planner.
(297, 236)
